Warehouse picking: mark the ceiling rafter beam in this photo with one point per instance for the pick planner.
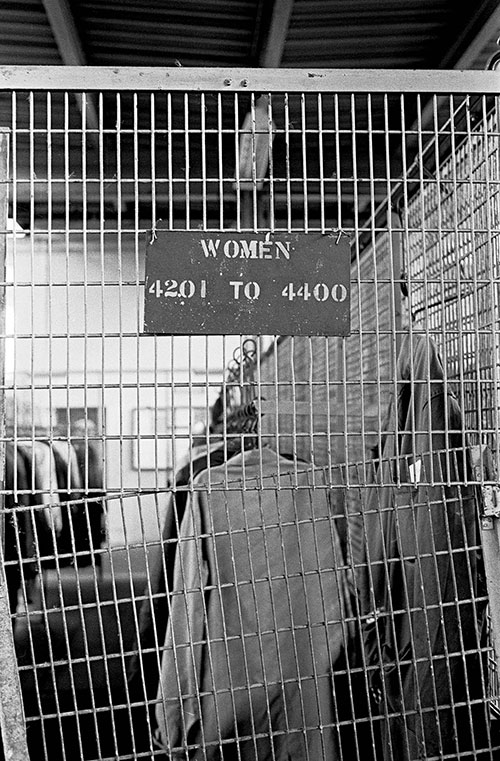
(65, 32)
(70, 49)
(482, 28)
(274, 34)
(479, 32)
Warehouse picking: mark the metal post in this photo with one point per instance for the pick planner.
(12, 720)
(484, 472)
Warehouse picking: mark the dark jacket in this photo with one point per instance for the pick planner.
(257, 616)
(89, 519)
(421, 576)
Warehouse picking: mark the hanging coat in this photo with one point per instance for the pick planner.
(91, 514)
(74, 528)
(257, 610)
(42, 474)
(18, 535)
(421, 577)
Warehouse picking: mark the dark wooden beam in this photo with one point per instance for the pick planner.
(481, 28)
(70, 48)
(273, 30)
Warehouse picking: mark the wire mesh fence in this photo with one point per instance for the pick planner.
(251, 546)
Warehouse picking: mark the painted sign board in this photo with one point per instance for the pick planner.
(211, 283)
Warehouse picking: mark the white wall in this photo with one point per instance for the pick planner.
(73, 323)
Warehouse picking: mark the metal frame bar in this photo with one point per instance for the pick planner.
(127, 78)
(12, 721)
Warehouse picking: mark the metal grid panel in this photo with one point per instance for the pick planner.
(453, 259)
(279, 584)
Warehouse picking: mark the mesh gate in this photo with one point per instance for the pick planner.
(246, 546)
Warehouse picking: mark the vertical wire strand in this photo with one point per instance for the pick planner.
(220, 161)
(237, 161)
(426, 236)
(305, 179)
(359, 280)
(394, 295)
(14, 292)
(379, 328)
(272, 198)
(254, 197)
(344, 341)
(102, 291)
(187, 161)
(203, 140)
(493, 276)
(133, 337)
(462, 299)
(474, 352)
(321, 158)
(288, 179)
(170, 172)
(406, 245)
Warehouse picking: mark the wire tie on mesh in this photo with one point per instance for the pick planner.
(340, 233)
(153, 232)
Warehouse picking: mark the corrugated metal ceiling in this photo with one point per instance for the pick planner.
(303, 33)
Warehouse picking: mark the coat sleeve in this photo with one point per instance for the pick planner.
(178, 712)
